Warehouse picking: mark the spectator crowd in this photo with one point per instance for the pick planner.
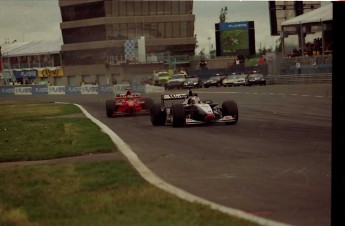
(312, 49)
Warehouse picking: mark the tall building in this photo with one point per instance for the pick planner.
(97, 35)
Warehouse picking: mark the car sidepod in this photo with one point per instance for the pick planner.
(110, 107)
(158, 114)
(229, 108)
(178, 115)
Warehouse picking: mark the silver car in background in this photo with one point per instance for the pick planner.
(241, 80)
(229, 80)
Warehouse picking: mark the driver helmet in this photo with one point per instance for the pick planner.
(195, 100)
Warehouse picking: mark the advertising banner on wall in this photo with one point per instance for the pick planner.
(50, 72)
(89, 89)
(121, 88)
(25, 73)
(72, 90)
(103, 89)
(6, 90)
(39, 89)
(56, 90)
(23, 90)
(84, 89)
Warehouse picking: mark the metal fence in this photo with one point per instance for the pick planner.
(299, 78)
(308, 65)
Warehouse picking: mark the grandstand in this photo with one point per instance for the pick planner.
(38, 62)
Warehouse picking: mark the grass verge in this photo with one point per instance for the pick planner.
(87, 193)
(33, 131)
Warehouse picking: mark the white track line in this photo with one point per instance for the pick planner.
(153, 179)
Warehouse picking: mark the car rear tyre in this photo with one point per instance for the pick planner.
(157, 115)
(229, 107)
(110, 108)
(178, 115)
(147, 104)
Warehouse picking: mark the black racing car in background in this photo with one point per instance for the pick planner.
(192, 82)
(192, 111)
(214, 80)
(256, 79)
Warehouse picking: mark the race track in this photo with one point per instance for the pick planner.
(274, 163)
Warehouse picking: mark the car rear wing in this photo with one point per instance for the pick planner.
(122, 95)
(173, 97)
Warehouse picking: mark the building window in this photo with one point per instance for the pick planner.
(67, 13)
(189, 5)
(84, 34)
(175, 8)
(115, 8)
(176, 29)
(147, 30)
(161, 30)
(130, 8)
(145, 7)
(168, 30)
(123, 30)
(137, 8)
(190, 29)
(183, 29)
(153, 7)
(139, 29)
(160, 8)
(85, 57)
(116, 31)
(123, 8)
(167, 7)
(83, 11)
(131, 31)
(154, 30)
(183, 7)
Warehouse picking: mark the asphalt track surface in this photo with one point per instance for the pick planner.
(275, 163)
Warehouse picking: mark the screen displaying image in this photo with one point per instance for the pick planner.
(234, 38)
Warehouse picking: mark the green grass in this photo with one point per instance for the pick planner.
(90, 193)
(28, 132)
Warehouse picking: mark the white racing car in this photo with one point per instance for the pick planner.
(192, 111)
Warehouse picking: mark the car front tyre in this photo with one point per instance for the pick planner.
(229, 107)
(110, 108)
(157, 115)
(178, 115)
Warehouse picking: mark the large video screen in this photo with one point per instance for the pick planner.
(235, 38)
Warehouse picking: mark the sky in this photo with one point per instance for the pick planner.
(28, 20)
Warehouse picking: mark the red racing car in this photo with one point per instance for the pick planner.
(128, 104)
